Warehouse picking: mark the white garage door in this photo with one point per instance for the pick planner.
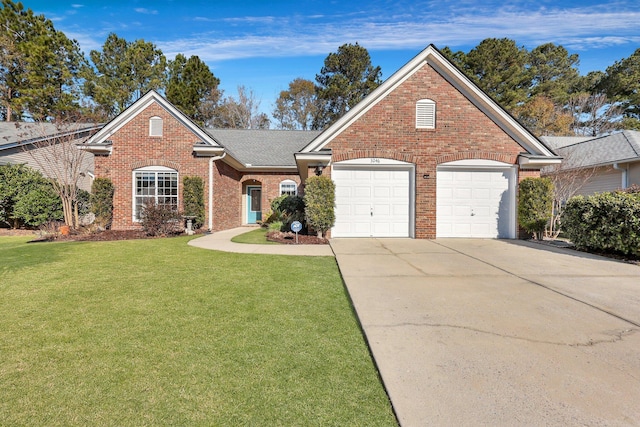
(372, 201)
(475, 201)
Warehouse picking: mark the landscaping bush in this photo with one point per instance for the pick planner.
(39, 206)
(285, 210)
(535, 205)
(319, 199)
(160, 220)
(102, 201)
(193, 199)
(607, 222)
(19, 185)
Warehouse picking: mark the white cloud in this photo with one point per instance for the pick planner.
(146, 11)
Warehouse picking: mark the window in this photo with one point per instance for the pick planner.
(154, 184)
(425, 114)
(155, 126)
(289, 188)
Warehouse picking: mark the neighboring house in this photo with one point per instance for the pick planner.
(607, 163)
(30, 143)
(425, 155)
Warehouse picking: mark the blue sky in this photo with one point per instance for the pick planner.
(264, 45)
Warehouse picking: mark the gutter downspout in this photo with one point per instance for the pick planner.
(625, 171)
(210, 215)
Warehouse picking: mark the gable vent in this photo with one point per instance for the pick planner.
(426, 114)
(155, 126)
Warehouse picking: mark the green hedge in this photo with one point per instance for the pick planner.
(193, 199)
(319, 199)
(535, 204)
(608, 222)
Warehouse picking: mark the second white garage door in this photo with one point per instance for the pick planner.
(372, 201)
(475, 200)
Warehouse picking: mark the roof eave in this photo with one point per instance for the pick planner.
(528, 161)
(315, 159)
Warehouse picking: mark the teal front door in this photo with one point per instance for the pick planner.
(254, 204)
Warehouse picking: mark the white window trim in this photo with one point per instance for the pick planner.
(133, 185)
(425, 114)
(153, 130)
(289, 182)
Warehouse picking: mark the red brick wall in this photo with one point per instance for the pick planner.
(462, 131)
(133, 148)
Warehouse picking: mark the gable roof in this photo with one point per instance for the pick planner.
(431, 56)
(102, 137)
(621, 147)
(263, 147)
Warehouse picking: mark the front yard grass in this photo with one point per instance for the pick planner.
(155, 332)
(255, 236)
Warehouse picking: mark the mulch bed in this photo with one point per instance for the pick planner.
(290, 238)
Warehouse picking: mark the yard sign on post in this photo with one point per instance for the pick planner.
(296, 226)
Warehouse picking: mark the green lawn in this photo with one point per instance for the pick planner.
(258, 235)
(155, 332)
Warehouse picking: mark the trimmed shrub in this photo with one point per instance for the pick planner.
(193, 199)
(102, 201)
(39, 206)
(18, 182)
(607, 222)
(160, 220)
(535, 205)
(319, 199)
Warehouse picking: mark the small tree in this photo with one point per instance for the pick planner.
(535, 205)
(193, 199)
(102, 201)
(54, 151)
(319, 199)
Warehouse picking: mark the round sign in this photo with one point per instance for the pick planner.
(296, 226)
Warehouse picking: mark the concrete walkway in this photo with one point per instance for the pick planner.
(221, 241)
(492, 332)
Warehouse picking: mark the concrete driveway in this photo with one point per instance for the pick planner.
(494, 332)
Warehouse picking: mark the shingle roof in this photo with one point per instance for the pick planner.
(615, 148)
(263, 147)
(555, 142)
(13, 134)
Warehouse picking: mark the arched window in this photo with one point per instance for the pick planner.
(155, 126)
(288, 187)
(426, 114)
(154, 184)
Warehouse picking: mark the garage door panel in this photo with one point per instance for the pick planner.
(474, 203)
(379, 204)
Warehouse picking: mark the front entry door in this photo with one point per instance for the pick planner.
(254, 204)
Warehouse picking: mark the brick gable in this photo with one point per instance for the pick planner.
(388, 130)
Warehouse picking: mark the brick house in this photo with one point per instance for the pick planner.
(426, 155)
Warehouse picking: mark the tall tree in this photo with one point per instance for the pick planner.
(554, 72)
(499, 67)
(622, 84)
(239, 113)
(345, 79)
(122, 72)
(296, 107)
(542, 117)
(190, 83)
(594, 114)
(39, 66)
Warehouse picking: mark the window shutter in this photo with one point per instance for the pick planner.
(426, 114)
